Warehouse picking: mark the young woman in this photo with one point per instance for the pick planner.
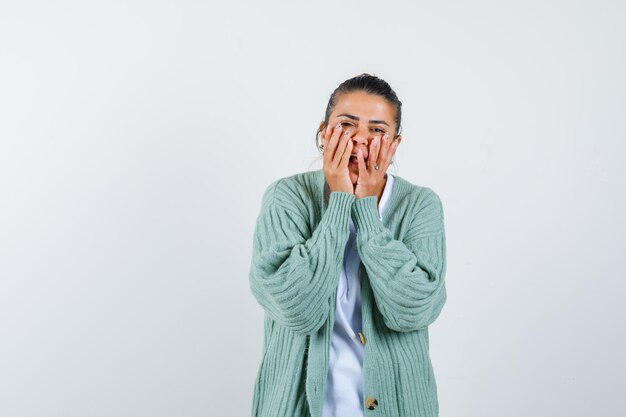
(348, 265)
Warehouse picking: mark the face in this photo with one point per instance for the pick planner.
(366, 116)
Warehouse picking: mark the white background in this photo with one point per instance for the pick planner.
(137, 137)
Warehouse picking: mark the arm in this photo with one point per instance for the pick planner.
(407, 277)
(292, 275)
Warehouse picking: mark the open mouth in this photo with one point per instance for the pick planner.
(355, 161)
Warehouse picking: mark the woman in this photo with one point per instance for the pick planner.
(349, 264)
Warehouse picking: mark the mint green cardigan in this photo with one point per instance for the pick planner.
(298, 247)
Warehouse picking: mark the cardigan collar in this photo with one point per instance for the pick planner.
(323, 191)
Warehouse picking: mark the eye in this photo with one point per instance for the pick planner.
(378, 130)
(344, 123)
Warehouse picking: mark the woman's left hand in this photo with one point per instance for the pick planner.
(371, 181)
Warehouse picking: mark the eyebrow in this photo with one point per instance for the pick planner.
(350, 116)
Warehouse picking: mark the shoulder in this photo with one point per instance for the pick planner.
(295, 192)
(422, 207)
(302, 182)
(418, 196)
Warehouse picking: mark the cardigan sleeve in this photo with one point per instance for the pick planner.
(406, 276)
(295, 270)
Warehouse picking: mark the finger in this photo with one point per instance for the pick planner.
(325, 152)
(384, 149)
(374, 151)
(334, 141)
(329, 149)
(361, 163)
(341, 147)
(392, 151)
(325, 135)
(345, 159)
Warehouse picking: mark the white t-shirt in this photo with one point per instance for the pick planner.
(344, 384)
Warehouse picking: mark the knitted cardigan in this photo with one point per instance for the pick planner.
(298, 248)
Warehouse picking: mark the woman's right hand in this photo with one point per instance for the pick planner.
(337, 150)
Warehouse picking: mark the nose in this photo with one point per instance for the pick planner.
(360, 140)
(359, 136)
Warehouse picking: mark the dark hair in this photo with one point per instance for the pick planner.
(370, 84)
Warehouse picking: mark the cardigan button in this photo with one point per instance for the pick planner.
(371, 403)
(362, 337)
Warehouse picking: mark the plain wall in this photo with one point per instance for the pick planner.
(137, 138)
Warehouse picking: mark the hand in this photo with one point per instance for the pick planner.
(337, 150)
(371, 181)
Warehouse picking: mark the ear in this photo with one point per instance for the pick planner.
(322, 126)
(398, 139)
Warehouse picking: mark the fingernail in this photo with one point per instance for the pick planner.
(337, 126)
(386, 137)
